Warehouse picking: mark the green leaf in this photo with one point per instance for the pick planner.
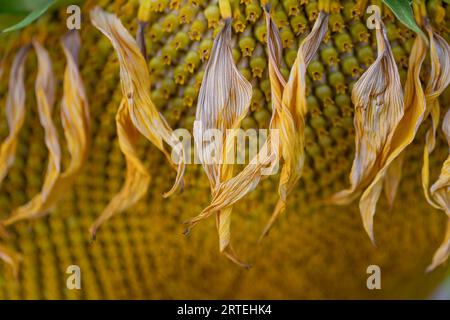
(403, 11)
(21, 6)
(32, 16)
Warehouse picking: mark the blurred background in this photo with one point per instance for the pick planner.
(313, 252)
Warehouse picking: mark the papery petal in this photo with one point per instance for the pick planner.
(45, 95)
(15, 111)
(404, 133)
(378, 100)
(443, 252)
(75, 107)
(441, 198)
(440, 189)
(223, 102)
(232, 190)
(135, 81)
(294, 110)
(392, 179)
(137, 179)
(136, 114)
(439, 79)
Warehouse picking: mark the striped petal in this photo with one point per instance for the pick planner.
(403, 136)
(142, 113)
(293, 113)
(75, 121)
(378, 100)
(137, 179)
(45, 95)
(15, 111)
(135, 82)
(223, 102)
(439, 80)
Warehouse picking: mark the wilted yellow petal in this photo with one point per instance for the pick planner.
(439, 190)
(378, 100)
(443, 252)
(440, 195)
(75, 121)
(15, 111)
(403, 135)
(439, 79)
(45, 95)
(293, 112)
(74, 109)
(223, 102)
(288, 112)
(232, 190)
(392, 179)
(144, 116)
(137, 179)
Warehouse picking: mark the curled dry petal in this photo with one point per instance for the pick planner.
(232, 190)
(75, 121)
(223, 102)
(145, 118)
(137, 179)
(439, 190)
(441, 197)
(45, 95)
(442, 254)
(294, 110)
(439, 79)
(392, 179)
(289, 109)
(403, 136)
(74, 108)
(135, 81)
(378, 100)
(15, 111)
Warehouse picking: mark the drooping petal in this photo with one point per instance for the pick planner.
(277, 82)
(392, 179)
(137, 179)
(223, 102)
(443, 252)
(378, 100)
(135, 81)
(45, 95)
(15, 111)
(75, 108)
(138, 107)
(289, 109)
(76, 123)
(293, 113)
(439, 80)
(440, 195)
(232, 190)
(440, 189)
(403, 136)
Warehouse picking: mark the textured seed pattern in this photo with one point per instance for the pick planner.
(314, 251)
